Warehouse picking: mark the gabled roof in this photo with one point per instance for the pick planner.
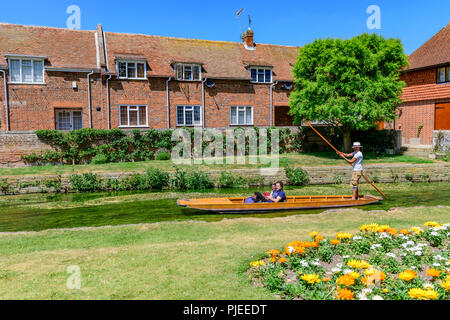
(219, 59)
(436, 51)
(62, 48)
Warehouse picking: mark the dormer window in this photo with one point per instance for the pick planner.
(443, 75)
(132, 69)
(261, 75)
(188, 72)
(26, 70)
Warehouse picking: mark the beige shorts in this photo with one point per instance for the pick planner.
(356, 175)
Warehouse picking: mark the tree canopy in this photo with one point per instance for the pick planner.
(351, 84)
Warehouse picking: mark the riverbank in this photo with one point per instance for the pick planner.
(181, 260)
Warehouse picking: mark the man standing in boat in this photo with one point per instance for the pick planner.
(357, 162)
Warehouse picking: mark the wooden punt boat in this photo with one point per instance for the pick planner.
(236, 204)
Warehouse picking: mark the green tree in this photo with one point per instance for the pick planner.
(349, 84)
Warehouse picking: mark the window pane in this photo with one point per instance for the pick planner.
(133, 116)
(27, 73)
(123, 115)
(253, 74)
(77, 120)
(441, 75)
(197, 115)
(142, 115)
(187, 73)
(15, 70)
(260, 75)
(233, 115)
(38, 71)
(131, 70)
(140, 70)
(122, 69)
(196, 73)
(241, 116)
(188, 116)
(180, 115)
(248, 116)
(179, 71)
(448, 73)
(64, 120)
(268, 75)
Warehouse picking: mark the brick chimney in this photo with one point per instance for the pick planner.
(247, 38)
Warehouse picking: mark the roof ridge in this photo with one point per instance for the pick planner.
(43, 27)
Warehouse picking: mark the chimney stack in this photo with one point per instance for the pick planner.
(247, 38)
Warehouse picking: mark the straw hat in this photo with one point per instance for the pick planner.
(356, 145)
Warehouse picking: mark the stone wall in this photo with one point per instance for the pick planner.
(441, 140)
(15, 144)
(385, 173)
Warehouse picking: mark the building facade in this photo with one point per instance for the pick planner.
(69, 79)
(426, 97)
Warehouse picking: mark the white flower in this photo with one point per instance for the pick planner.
(336, 270)
(413, 267)
(377, 298)
(339, 265)
(347, 271)
(434, 234)
(304, 263)
(345, 257)
(436, 264)
(291, 249)
(390, 254)
(357, 238)
(362, 296)
(428, 285)
(418, 253)
(375, 245)
(315, 263)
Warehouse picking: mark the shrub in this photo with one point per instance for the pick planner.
(296, 176)
(56, 184)
(198, 180)
(157, 179)
(164, 155)
(99, 159)
(409, 177)
(179, 180)
(226, 180)
(5, 187)
(86, 182)
(337, 179)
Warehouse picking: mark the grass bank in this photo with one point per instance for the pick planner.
(292, 159)
(183, 260)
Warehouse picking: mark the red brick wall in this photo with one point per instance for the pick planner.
(411, 116)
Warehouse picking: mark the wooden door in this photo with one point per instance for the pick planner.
(442, 116)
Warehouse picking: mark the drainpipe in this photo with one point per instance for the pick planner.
(108, 105)
(203, 102)
(168, 102)
(6, 100)
(271, 102)
(89, 97)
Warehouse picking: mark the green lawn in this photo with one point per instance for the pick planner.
(181, 260)
(293, 159)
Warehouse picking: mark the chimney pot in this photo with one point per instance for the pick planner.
(247, 38)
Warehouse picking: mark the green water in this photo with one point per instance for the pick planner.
(40, 212)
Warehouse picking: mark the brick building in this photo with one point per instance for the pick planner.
(426, 98)
(69, 79)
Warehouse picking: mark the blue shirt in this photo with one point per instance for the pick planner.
(280, 194)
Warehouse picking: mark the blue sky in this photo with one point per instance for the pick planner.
(278, 22)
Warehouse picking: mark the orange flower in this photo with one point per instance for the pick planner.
(345, 294)
(281, 260)
(318, 238)
(326, 279)
(433, 272)
(392, 231)
(294, 247)
(404, 231)
(335, 241)
(273, 253)
(345, 280)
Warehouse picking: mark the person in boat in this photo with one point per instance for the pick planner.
(256, 198)
(278, 194)
(267, 195)
(357, 162)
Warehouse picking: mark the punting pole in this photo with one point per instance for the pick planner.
(309, 124)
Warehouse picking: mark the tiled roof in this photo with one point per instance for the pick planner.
(219, 59)
(62, 48)
(425, 92)
(435, 51)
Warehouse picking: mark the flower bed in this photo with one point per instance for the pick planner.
(379, 262)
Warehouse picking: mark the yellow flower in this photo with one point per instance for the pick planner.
(431, 224)
(433, 273)
(313, 234)
(345, 280)
(369, 272)
(416, 230)
(354, 275)
(311, 278)
(385, 290)
(257, 263)
(428, 294)
(361, 264)
(407, 275)
(368, 227)
(345, 294)
(344, 235)
(446, 285)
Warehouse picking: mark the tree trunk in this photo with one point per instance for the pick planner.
(347, 141)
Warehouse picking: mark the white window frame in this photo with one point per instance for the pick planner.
(189, 108)
(71, 111)
(257, 70)
(245, 115)
(20, 59)
(183, 67)
(134, 107)
(136, 62)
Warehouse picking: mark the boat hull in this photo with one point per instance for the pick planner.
(293, 203)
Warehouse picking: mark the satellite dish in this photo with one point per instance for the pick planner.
(288, 86)
(210, 83)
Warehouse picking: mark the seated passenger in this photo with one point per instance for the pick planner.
(278, 194)
(256, 198)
